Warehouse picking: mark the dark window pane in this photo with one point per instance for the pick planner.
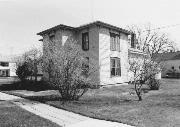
(118, 71)
(112, 62)
(118, 63)
(112, 71)
(85, 41)
(132, 41)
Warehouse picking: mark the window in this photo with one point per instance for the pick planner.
(85, 66)
(114, 42)
(85, 41)
(52, 38)
(4, 64)
(115, 67)
(132, 40)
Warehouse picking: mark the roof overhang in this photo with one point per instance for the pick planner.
(98, 23)
(61, 26)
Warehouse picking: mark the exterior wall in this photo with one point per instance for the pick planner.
(11, 69)
(61, 36)
(167, 65)
(105, 54)
(99, 53)
(93, 51)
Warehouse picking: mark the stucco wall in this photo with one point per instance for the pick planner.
(61, 36)
(93, 51)
(12, 67)
(99, 53)
(105, 54)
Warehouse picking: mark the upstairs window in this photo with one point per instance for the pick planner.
(114, 42)
(4, 64)
(85, 41)
(52, 38)
(115, 67)
(132, 40)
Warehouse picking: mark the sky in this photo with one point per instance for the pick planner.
(20, 20)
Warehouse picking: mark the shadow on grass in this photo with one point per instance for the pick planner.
(26, 85)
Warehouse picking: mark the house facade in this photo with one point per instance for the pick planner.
(170, 64)
(108, 46)
(7, 67)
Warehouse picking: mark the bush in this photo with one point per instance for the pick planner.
(23, 71)
(66, 72)
(153, 83)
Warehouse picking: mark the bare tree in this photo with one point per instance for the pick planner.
(151, 42)
(32, 59)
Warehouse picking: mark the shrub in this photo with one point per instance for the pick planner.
(23, 71)
(26, 85)
(153, 83)
(69, 71)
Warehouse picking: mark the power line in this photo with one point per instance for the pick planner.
(163, 27)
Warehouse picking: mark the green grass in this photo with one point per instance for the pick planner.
(13, 116)
(157, 109)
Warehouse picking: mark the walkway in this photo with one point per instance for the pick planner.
(59, 116)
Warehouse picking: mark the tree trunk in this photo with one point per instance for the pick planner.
(35, 70)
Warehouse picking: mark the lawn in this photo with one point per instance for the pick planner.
(13, 116)
(157, 109)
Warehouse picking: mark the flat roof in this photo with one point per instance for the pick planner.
(100, 23)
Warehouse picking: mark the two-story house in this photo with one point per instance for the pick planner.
(108, 44)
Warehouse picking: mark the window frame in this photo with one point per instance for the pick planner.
(115, 42)
(85, 43)
(4, 64)
(116, 66)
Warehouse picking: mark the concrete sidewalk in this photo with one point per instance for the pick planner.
(59, 116)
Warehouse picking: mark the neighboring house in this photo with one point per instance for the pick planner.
(109, 45)
(7, 67)
(170, 63)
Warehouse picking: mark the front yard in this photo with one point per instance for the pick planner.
(13, 116)
(157, 109)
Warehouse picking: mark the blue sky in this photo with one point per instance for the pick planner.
(21, 19)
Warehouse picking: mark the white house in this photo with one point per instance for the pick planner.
(170, 63)
(7, 67)
(110, 45)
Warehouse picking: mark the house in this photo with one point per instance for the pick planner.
(7, 67)
(110, 45)
(170, 64)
